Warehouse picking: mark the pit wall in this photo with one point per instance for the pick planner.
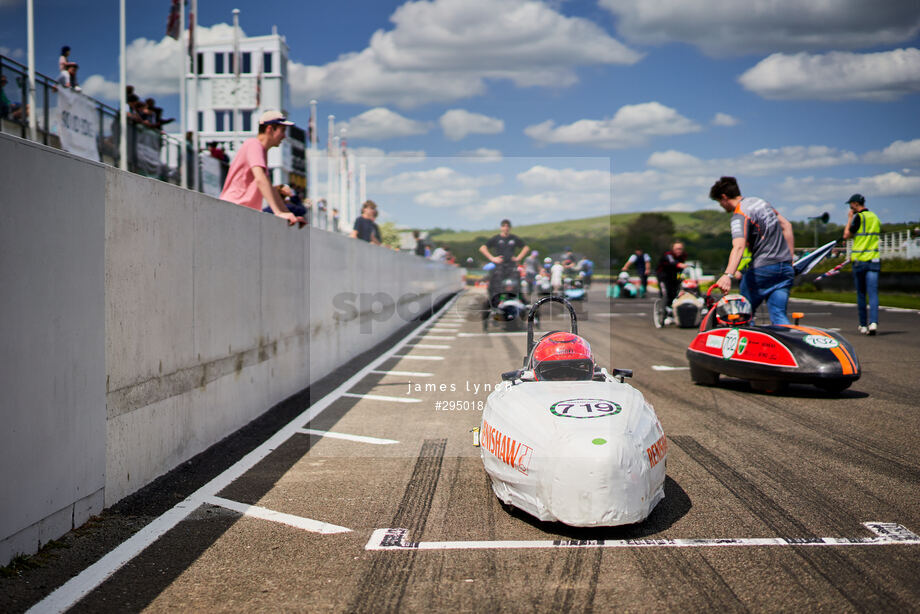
(142, 323)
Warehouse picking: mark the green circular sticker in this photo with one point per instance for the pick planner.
(599, 441)
(585, 408)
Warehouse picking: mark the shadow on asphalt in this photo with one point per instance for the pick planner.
(675, 506)
(795, 391)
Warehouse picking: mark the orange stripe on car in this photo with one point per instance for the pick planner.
(843, 356)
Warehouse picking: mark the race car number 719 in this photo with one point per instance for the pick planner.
(585, 408)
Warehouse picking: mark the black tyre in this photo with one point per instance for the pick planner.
(702, 376)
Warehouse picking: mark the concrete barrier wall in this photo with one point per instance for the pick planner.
(197, 317)
(52, 344)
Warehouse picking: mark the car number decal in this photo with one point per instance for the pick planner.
(585, 408)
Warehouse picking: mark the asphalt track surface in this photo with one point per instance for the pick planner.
(298, 526)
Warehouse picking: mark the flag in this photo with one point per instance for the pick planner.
(805, 263)
(191, 34)
(174, 21)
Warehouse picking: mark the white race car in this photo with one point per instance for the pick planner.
(564, 440)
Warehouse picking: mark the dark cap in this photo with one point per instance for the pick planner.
(856, 198)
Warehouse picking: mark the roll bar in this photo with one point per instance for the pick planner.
(533, 314)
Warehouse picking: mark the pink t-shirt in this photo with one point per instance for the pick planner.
(240, 186)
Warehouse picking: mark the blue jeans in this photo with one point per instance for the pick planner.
(769, 283)
(865, 274)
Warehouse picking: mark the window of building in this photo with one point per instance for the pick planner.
(230, 58)
(200, 63)
(223, 120)
(200, 120)
(247, 120)
(267, 61)
(246, 63)
(218, 63)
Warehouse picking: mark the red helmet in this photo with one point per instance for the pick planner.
(733, 310)
(562, 356)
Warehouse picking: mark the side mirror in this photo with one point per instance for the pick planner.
(510, 376)
(621, 374)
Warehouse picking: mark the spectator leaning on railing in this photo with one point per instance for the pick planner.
(247, 181)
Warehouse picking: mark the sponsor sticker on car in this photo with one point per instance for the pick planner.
(585, 408)
(821, 341)
(730, 343)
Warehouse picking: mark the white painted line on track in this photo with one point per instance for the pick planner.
(411, 357)
(624, 314)
(442, 337)
(667, 368)
(404, 373)
(899, 310)
(377, 441)
(65, 596)
(886, 534)
(298, 522)
(430, 347)
(380, 397)
(490, 334)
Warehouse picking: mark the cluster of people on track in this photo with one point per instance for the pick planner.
(761, 258)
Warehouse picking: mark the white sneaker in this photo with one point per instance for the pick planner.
(873, 328)
(863, 330)
(668, 321)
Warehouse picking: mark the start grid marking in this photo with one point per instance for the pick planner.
(887, 534)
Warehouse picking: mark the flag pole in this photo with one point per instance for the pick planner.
(183, 142)
(236, 70)
(30, 108)
(193, 97)
(123, 82)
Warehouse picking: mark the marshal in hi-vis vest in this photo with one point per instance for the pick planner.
(865, 242)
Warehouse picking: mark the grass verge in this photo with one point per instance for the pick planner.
(904, 301)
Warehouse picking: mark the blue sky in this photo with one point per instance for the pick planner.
(556, 101)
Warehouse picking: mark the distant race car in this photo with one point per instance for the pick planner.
(686, 310)
(574, 289)
(564, 440)
(623, 287)
(770, 357)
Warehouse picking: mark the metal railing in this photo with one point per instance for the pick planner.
(151, 152)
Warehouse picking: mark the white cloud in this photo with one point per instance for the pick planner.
(882, 76)
(900, 152)
(723, 27)
(97, 87)
(16, 54)
(440, 178)
(446, 50)
(380, 123)
(153, 66)
(812, 189)
(447, 198)
(378, 161)
(458, 123)
(632, 125)
(483, 154)
(567, 179)
(759, 162)
(540, 206)
(724, 119)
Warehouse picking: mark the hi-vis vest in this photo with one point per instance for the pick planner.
(865, 242)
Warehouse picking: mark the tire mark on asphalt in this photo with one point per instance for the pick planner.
(836, 569)
(881, 460)
(565, 597)
(691, 582)
(383, 585)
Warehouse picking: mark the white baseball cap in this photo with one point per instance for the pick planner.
(274, 118)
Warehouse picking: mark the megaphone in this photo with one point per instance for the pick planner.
(823, 218)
